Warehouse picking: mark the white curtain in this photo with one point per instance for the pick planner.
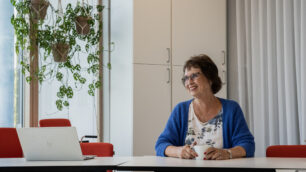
(267, 48)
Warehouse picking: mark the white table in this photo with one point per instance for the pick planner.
(96, 164)
(153, 163)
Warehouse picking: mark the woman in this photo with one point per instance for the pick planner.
(205, 119)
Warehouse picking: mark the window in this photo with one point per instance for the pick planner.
(10, 78)
(83, 109)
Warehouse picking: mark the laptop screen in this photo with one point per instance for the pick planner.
(50, 143)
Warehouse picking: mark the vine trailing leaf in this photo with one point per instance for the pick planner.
(60, 31)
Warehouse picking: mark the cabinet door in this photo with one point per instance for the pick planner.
(152, 31)
(198, 26)
(152, 100)
(179, 93)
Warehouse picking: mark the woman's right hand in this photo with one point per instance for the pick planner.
(184, 152)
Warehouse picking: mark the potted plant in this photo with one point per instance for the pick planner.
(59, 46)
(60, 52)
(82, 24)
(59, 37)
(83, 20)
(39, 9)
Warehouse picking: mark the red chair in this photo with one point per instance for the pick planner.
(291, 151)
(58, 122)
(99, 149)
(9, 144)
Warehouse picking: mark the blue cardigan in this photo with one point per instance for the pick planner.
(235, 129)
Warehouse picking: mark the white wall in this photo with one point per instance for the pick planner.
(121, 115)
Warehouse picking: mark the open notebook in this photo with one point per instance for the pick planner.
(50, 143)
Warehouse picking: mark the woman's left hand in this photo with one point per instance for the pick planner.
(216, 154)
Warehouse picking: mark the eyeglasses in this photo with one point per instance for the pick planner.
(192, 77)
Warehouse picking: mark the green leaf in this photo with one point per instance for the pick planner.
(76, 76)
(77, 67)
(59, 104)
(82, 80)
(66, 103)
(109, 66)
(59, 76)
(100, 8)
(69, 92)
(87, 47)
(91, 93)
(28, 79)
(91, 86)
(60, 94)
(98, 84)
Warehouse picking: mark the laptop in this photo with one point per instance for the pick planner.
(51, 144)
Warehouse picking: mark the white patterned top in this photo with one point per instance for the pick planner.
(209, 133)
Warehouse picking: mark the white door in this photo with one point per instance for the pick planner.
(152, 99)
(152, 31)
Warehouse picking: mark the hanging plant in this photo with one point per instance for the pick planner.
(82, 24)
(39, 9)
(60, 52)
(60, 46)
(83, 19)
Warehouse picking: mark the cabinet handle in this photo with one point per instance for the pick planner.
(224, 68)
(224, 57)
(224, 77)
(168, 49)
(168, 69)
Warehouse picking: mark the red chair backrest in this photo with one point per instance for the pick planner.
(56, 122)
(98, 149)
(9, 143)
(286, 151)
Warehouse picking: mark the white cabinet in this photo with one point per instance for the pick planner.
(152, 97)
(165, 34)
(152, 30)
(198, 26)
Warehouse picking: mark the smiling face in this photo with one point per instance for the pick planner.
(196, 83)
